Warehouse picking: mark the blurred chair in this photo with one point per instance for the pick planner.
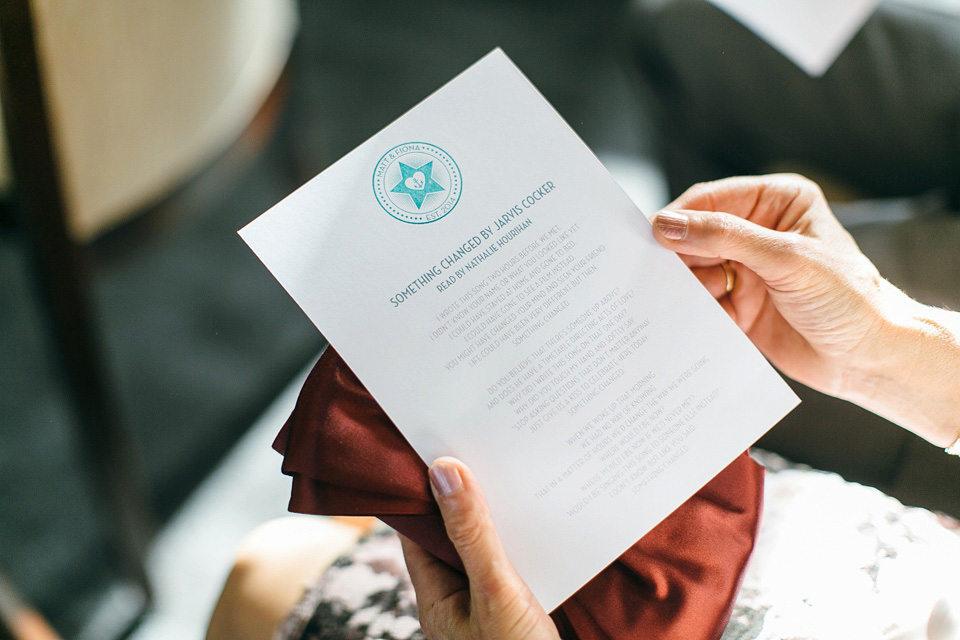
(108, 108)
(882, 123)
(142, 95)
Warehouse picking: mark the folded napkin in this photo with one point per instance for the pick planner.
(678, 582)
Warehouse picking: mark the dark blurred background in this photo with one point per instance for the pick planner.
(140, 340)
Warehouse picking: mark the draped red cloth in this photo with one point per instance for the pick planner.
(678, 582)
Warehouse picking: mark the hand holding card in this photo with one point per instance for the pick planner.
(677, 583)
(582, 372)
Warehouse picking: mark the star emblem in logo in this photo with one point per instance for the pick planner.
(417, 182)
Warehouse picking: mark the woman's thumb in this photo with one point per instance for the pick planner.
(470, 527)
(714, 234)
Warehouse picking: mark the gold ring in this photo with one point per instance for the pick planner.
(730, 274)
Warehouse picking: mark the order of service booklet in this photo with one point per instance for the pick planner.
(505, 302)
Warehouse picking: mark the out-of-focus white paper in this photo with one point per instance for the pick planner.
(811, 33)
(505, 302)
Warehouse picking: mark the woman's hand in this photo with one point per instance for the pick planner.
(803, 293)
(813, 303)
(491, 601)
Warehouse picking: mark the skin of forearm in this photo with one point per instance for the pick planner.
(910, 373)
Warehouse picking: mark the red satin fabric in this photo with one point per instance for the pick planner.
(677, 583)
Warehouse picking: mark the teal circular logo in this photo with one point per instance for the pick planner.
(417, 182)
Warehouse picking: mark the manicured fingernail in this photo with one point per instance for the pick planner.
(445, 478)
(672, 225)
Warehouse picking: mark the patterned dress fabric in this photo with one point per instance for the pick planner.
(366, 593)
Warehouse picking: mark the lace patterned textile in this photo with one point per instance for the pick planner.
(366, 593)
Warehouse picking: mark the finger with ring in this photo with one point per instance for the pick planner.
(731, 275)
